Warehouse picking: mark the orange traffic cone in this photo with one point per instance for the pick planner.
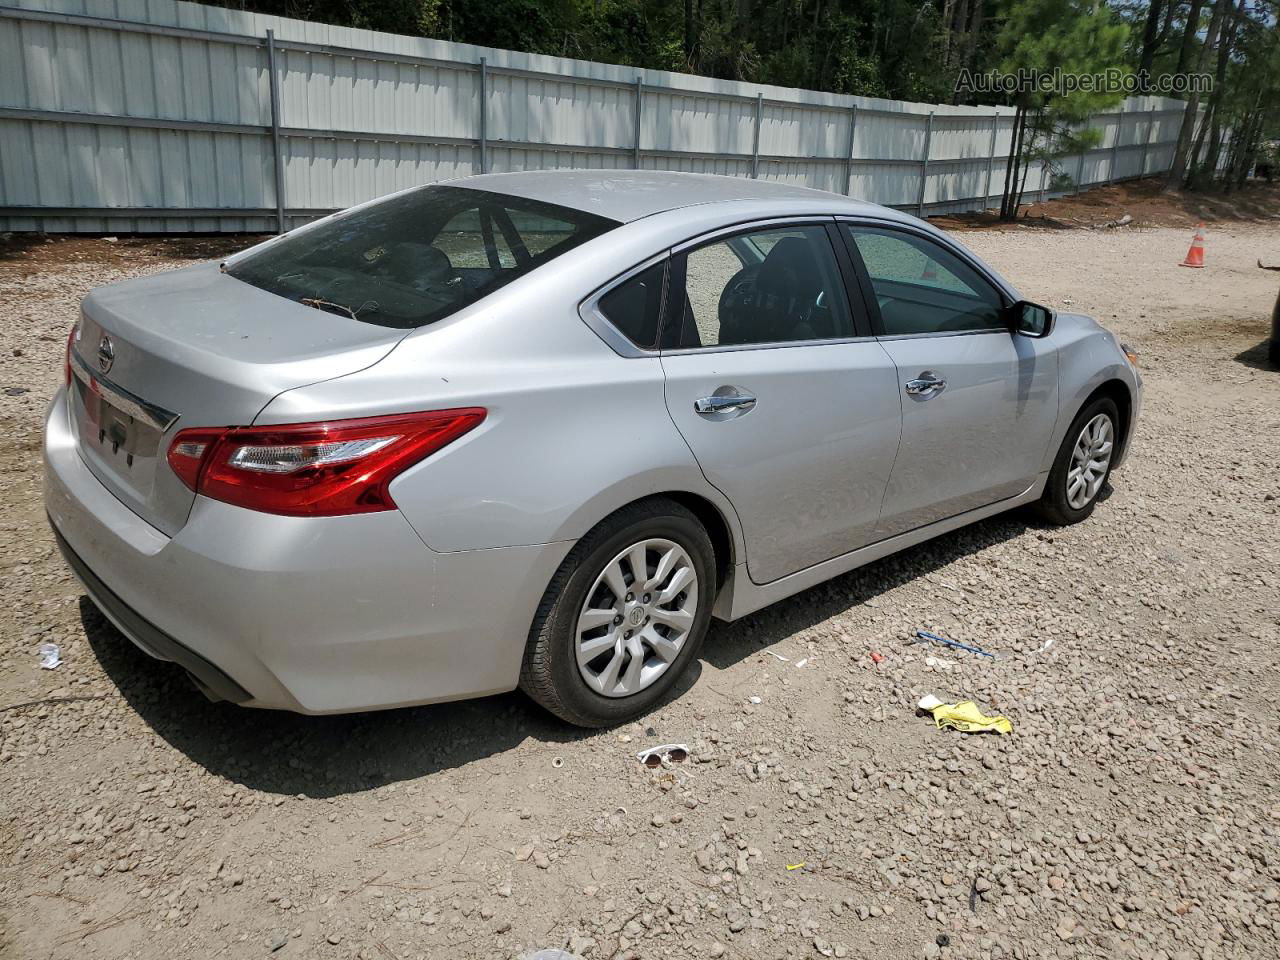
(1195, 256)
(930, 271)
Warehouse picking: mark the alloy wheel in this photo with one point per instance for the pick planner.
(1089, 461)
(636, 618)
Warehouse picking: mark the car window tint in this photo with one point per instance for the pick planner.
(539, 232)
(765, 286)
(635, 306)
(470, 240)
(922, 287)
(416, 257)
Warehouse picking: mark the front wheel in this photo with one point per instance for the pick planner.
(623, 617)
(1083, 464)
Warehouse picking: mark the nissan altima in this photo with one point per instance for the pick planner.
(535, 430)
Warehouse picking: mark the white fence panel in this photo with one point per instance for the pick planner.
(153, 115)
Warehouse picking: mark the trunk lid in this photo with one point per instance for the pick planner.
(193, 348)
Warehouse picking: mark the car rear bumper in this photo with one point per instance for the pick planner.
(147, 637)
(314, 615)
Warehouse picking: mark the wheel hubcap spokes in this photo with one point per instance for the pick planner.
(1089, 461)
(636, 618)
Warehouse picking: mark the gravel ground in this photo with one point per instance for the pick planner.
(1132, 813)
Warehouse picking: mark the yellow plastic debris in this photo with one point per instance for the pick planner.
(795, 866)
(964, 716)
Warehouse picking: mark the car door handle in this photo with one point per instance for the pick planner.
(723, 404)
(925, 386)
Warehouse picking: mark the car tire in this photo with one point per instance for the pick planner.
(552, 673)
(1062, 503)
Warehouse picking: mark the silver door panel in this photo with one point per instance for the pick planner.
(979, 439)
(806, 464)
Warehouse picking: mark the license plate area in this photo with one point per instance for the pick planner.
(120, 437)
(114, 435)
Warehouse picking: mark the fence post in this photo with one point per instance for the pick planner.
(1115, 147)
(848, 154)
(1079, 172)
(991, 159)
(276, 155)
(635, 150)
(924, 165)
(484, 115)
(1146, 141)
(755, 143)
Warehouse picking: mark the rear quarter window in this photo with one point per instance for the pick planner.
(635, 306)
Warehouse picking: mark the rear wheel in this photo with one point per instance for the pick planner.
(1083, 464)
(623, 617)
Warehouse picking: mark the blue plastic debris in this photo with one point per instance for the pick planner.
(928, 637)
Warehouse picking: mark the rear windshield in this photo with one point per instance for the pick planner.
(416, 257)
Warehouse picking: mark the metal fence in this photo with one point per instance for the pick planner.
(155, 115)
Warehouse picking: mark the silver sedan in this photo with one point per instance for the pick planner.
(537, 429)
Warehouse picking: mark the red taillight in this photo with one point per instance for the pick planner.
(314, 469)
(187, 454)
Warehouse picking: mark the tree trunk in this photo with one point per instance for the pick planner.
(971, 28)
(948, 14)
(1008, 163)
(953, 18)
(1026, 165)
(1008, 200)
(968, 18)
(816, 65)
(1232, 148)
(1186, 132)
(1167, 27)
(1151, 37)
(1203, 167)
(690, 34)
(1195, 158)
(1187, 50)
(1240, 151)
(1209, 169)
(1249, 146)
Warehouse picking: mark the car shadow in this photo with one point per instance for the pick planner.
(730, 643)
(286, 753)
(290, 754)
(1257, 357)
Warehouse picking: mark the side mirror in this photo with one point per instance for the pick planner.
(1031, 319)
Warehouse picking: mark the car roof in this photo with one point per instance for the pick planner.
(628, 195)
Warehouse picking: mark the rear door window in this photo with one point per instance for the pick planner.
(417, 257)
(773, 285)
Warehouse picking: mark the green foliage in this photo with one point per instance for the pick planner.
(1052, 38)
(1072, 36)
(1052, 144)
(883, 48)
(897, 49)
(859, 73)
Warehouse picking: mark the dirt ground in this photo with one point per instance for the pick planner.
(1132, 813)
(1145, 201)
